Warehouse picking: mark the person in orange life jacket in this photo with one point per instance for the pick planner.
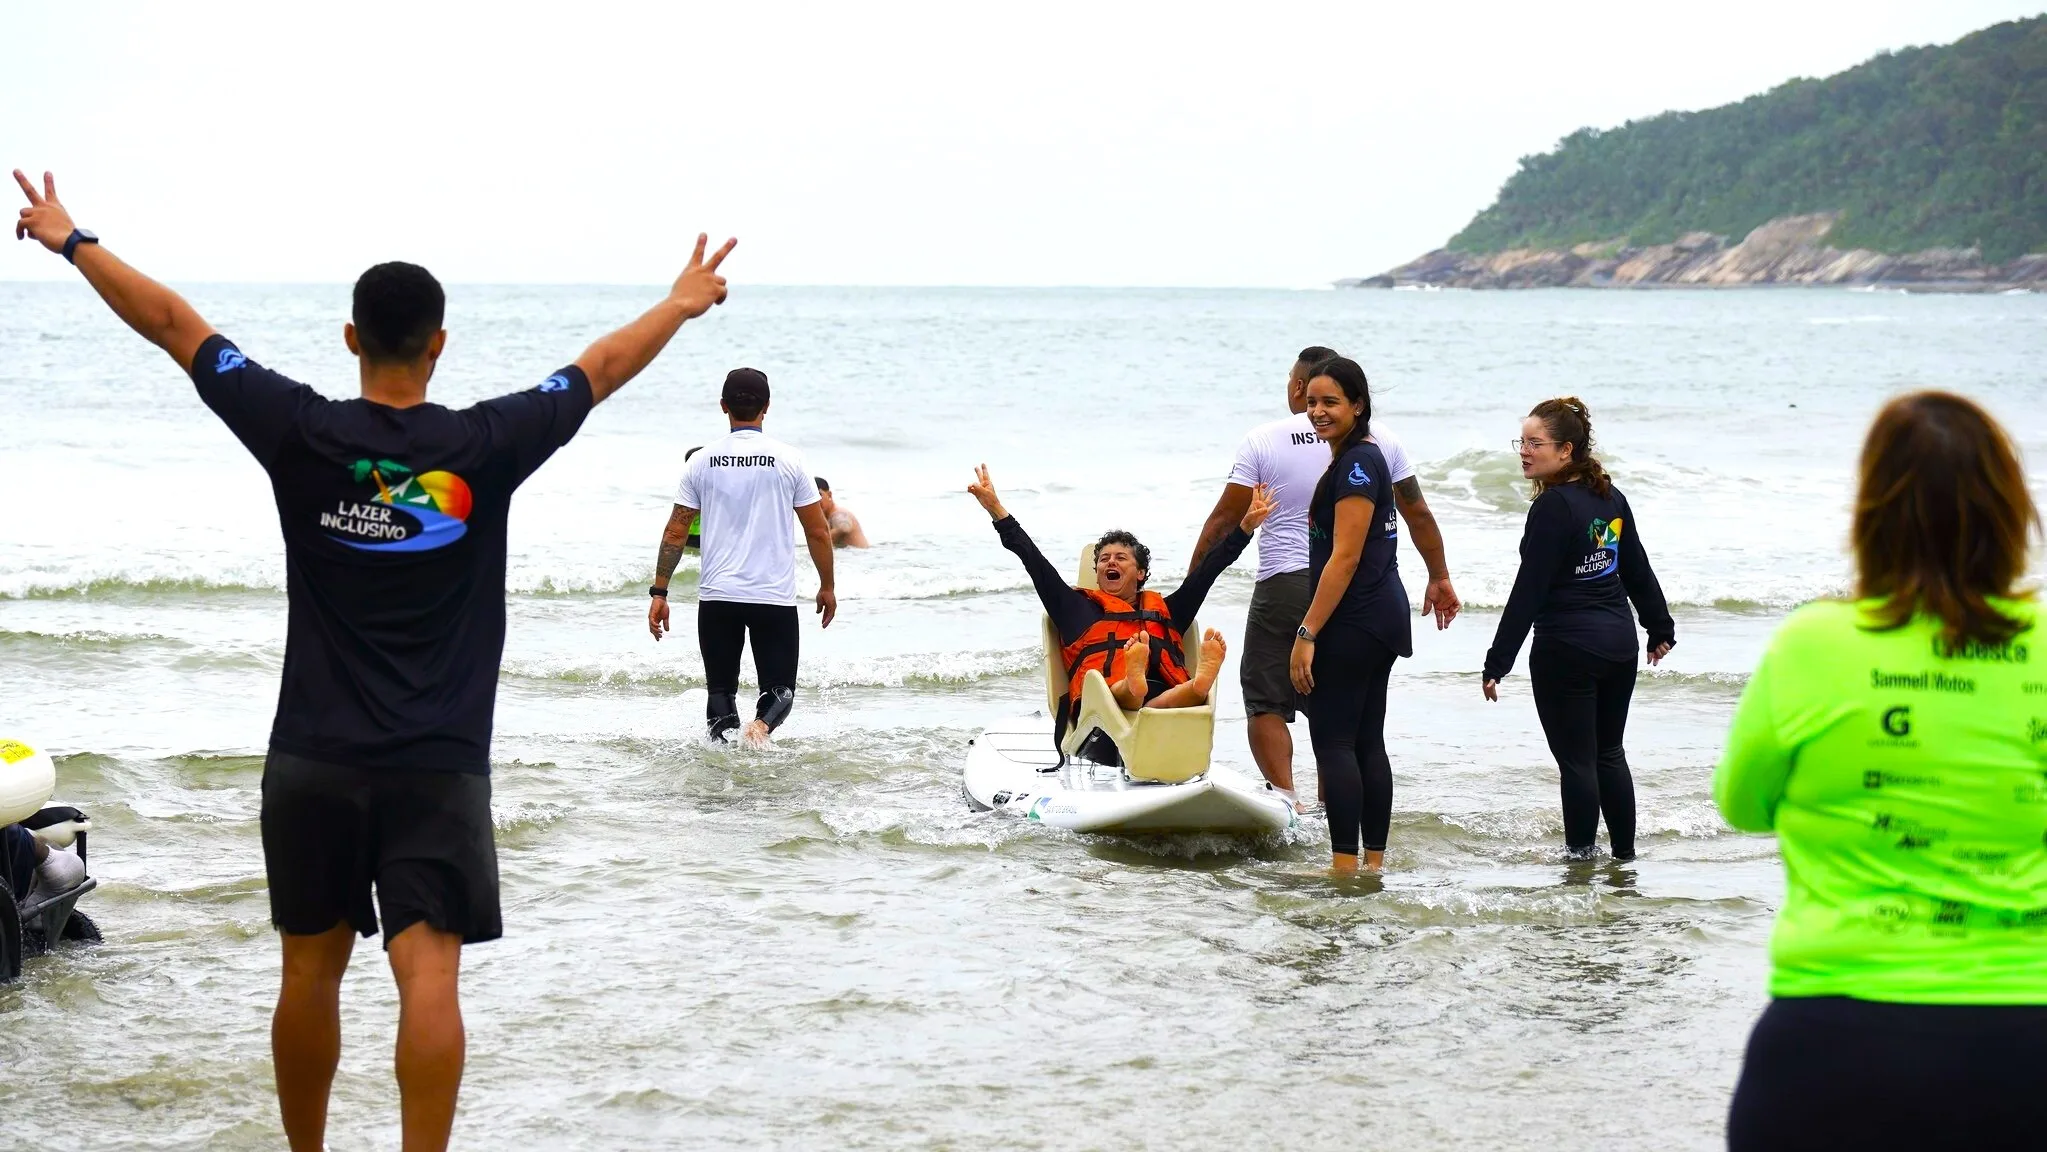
(1132, 636)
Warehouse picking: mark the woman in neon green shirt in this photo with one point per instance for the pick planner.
(1897, 745)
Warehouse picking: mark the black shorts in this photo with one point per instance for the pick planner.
(1278, 605)
(423, 839)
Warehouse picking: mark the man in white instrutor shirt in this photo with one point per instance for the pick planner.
(1286, 456)
(746, 485)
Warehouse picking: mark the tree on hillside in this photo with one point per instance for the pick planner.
(1928, 147)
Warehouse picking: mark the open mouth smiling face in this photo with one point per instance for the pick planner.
(1116, 570)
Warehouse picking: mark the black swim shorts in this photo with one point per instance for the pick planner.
(1278, 605)
(422, 839)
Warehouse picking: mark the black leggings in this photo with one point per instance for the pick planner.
(1831, 1072)
(1347, 724)
(723, 627)
(1582, 700)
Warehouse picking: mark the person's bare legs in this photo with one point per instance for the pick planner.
(1195, 692)
(1272, 748)
(427, 964)
(1134, 685)
(305, 1031)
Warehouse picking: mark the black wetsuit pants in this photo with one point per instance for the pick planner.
(723, 629)
(1831, 1072)
(1582, 701)
(1347, 724)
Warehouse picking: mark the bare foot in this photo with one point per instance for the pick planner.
(755, 734)
(1342, 864)
(1136, 660)
(1212, 652)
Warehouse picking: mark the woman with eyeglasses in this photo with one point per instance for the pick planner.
(1582, 565)
(1896, 743)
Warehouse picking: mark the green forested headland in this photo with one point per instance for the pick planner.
(1929, 147)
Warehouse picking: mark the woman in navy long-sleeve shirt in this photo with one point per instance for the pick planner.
(1582, 565)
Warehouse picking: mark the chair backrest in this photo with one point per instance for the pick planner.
(1055, 669)
(1057, 684)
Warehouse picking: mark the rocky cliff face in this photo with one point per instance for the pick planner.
(1788, 250)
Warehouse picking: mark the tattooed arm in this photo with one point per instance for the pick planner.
(673, 538)
(1440, 600)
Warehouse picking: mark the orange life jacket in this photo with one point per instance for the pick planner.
(1101, 646)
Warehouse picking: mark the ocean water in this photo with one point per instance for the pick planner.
(820, 945)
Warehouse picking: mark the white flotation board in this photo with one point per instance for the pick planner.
(27, 777)
(1013, 768)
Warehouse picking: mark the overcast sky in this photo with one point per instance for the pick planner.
(967, 142)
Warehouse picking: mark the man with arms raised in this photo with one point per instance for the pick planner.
(745, 485)
(1286, 456)
(393, 512)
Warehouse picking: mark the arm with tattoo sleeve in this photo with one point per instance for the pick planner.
(673, 538)
(1440, 599)
(1229, 508)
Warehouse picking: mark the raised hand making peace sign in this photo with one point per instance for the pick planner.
(700, 287)
(45, 217)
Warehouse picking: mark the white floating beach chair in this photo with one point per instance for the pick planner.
(1165, 745)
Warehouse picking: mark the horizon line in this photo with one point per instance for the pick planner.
(1329, 285)
(1317, 287)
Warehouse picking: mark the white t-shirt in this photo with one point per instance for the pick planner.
(1286, 456)
(747, 485)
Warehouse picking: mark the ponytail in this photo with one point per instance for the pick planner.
(1569, 421)
(1356, 389)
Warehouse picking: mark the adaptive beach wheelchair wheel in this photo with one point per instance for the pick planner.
(10, 937)
(46, 919)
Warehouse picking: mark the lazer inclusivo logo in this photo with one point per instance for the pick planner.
(1357, 475)
(1605, 533)
(230, 359)
(1605, 556)
(408, 512)
(555, 383)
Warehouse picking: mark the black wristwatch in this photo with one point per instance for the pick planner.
(78, 236)
(1303, 633)
(658, 591)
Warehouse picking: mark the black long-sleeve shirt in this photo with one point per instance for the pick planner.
(1582, 562)
(1073, 612)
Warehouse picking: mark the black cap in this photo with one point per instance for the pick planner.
(746, 385)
